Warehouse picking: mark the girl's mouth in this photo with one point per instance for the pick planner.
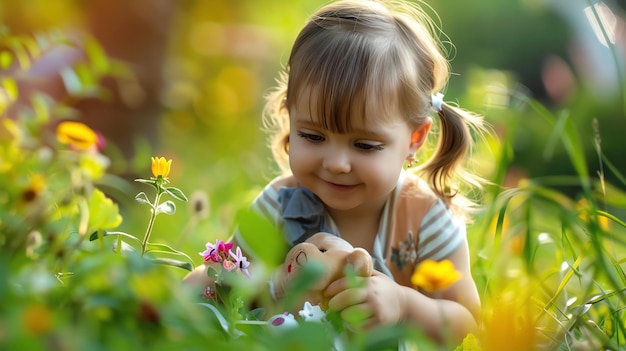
(340, 187)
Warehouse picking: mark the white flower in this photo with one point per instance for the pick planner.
(312, 313)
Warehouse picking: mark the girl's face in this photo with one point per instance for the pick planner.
(351, 170)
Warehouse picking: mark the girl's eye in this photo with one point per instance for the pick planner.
(368, 147)
(314, 138)
(322, 250)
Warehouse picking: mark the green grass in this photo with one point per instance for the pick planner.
(548, 251)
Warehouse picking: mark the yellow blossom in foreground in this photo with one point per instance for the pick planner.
(76, 134)
(37, 319)
(510, 317)
(584, 211)
(161, 167)
(435, 276)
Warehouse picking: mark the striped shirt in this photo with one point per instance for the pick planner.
(415, 224)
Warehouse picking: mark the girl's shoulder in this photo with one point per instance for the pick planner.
(412, 188)
(284, 181)
(410, 202)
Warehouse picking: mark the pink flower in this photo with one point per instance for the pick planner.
(229, 265)
(216, 253)
(223, 249)
(241, 261)
(209, 294)
(210, 254)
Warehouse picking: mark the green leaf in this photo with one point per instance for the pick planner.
(95, 235)
(302, 283)
(6, 59)
(470, 343)
(20, 53)
(151, 247)
(212, 273)
(168, 207)
(142, 198)
(10, 86)
(218, 315)
(146, 181)
(71, 81)
(97, 56)
(260, 239)
(85, 75)
(102, 233)
(125, 247)
(256, 314)
(152, 182)
(611, 217)
(42, 106)
(103, 212)
(176, 193)
(32, 46)
(171, 262)
(161, 248)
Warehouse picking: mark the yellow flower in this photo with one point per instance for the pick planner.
(470, 343)
(434, 276)
(76, 134)
(36, 185)
(160, 167)
(10, 131)
(510, 317)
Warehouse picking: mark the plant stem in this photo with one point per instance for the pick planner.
(83, 224)
(153, 215)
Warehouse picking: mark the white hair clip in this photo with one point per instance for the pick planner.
(437, 101)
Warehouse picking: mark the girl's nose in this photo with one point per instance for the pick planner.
(337, 161)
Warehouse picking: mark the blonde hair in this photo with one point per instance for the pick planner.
(351, 52)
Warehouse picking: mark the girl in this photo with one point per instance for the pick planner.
(352, 107)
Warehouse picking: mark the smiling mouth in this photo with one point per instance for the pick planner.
(340, 186)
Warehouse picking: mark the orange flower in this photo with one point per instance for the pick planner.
(435, 276)
(76, 134)
(37, 319)
(161, 167)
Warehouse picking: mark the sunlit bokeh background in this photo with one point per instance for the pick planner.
(186, 80)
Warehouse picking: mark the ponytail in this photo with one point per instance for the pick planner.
(445, 170)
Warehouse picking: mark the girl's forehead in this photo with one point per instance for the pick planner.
(358, 114)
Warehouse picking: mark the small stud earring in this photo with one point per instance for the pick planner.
(410, 159)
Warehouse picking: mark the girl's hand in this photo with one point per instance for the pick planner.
(369, 302)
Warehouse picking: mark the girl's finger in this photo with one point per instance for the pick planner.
(344, 283)
(335, 287)
(357, 316)
(347, 298)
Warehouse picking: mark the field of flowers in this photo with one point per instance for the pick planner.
(92, 259)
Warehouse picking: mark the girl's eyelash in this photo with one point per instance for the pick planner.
(314, 138)
(311, 137)
(368, 147)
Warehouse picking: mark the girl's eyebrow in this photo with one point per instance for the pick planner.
(361, 131)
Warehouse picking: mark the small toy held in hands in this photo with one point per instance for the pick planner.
(284, 321)
(333, 253)
(309, 314)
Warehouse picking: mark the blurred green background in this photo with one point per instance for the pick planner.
(198, 71)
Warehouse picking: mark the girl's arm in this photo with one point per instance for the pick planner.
(198, 278)
(445, 316)
(449, 314)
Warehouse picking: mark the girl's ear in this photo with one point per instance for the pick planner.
(418, 137)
